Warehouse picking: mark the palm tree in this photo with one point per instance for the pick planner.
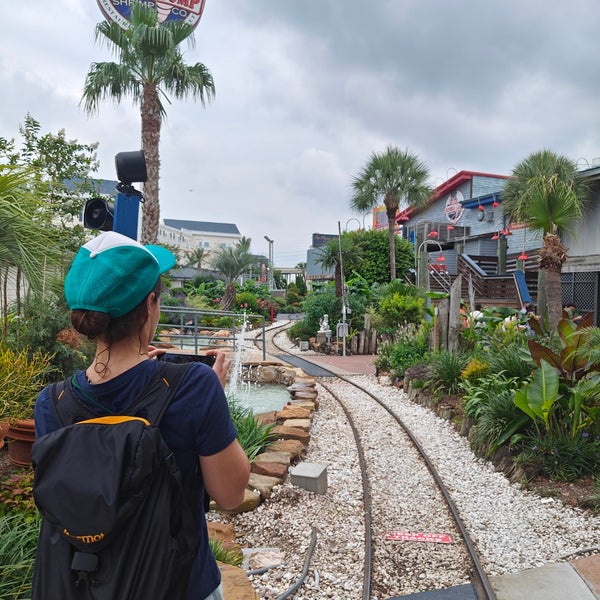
(546, 194)
(329, 258)
(150, 65)
(195, 258)
(394, 177)
(231, 263)
(28, 248)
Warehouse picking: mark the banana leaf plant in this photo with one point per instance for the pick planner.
(563, 393)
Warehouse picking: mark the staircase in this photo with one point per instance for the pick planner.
(510, 289)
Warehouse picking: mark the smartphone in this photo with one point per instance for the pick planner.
(175, 357)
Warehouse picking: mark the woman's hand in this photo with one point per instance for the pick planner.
(154, 352)
(221, 366)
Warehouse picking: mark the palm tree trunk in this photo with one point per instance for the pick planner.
(151, 123)
(228, 299)
(391, 216)
(554, 290)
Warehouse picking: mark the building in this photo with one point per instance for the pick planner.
(465, 230)
(193, 235)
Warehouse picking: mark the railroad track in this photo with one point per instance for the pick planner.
(412, 528)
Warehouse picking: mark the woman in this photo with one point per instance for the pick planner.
(113, 290)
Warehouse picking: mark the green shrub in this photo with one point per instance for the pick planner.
(446, 369)
(253, 436)
(498, 422)
(16, 494)
(229, 557)
(562, 457)
(18, 541)
(396, 310)
(514, 360)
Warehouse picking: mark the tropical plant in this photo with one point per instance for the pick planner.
(196, 257)
(338, 254)
(27, 247)
(393, 177)
(231, 264)
(150, 66)
(546, 195)
(563, 394)
(253, 436)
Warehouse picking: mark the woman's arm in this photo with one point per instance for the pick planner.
(226, 475)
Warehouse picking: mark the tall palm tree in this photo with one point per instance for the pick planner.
(150, 66)
(329, 257)
(232, 263)
(546, 194)
(393, 177)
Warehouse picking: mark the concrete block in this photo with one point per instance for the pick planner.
(310, 476)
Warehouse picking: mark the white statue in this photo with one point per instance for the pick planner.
(324, 323)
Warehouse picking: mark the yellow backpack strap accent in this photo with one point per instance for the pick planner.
(113, 420)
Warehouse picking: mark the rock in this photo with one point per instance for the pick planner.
(236, 585)
(294, 448)
(224, 533)
(270, 469)
(303, 424)
(291, 411)
(266, 418)
(291, 433)
(263, 484)
(278, 457)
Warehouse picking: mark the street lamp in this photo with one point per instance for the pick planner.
(270, 268)
(352, 219)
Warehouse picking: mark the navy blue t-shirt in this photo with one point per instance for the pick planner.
(196, 423)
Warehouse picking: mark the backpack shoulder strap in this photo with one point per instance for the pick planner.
(151, 403)
(156, 396)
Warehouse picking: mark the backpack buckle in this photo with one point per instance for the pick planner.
(84, 564)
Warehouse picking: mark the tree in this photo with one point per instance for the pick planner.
(150, 65)
(395, 177)
(232, 263)
(546, 194)
(195, 258)
(374, 264)
(27, 246)
(329, 258)
(59, 174)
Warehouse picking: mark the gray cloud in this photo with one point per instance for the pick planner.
(307, 90)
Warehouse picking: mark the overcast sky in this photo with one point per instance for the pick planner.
(307, 90)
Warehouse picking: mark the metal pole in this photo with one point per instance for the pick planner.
(270, 270)
(343, 287)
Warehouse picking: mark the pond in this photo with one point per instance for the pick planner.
(262, 398)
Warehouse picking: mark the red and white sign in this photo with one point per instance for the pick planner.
(418, 536)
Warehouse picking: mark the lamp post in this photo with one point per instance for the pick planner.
(270, 268)
(352, 219)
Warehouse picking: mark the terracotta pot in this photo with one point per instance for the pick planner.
(3, 430)
(21, 436)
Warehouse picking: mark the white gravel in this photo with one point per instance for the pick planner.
(512, 528)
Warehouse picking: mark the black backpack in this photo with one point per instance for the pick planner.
(115, 525)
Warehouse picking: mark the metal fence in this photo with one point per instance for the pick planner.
(196, 330)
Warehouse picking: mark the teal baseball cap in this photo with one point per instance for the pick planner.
(113, 274)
